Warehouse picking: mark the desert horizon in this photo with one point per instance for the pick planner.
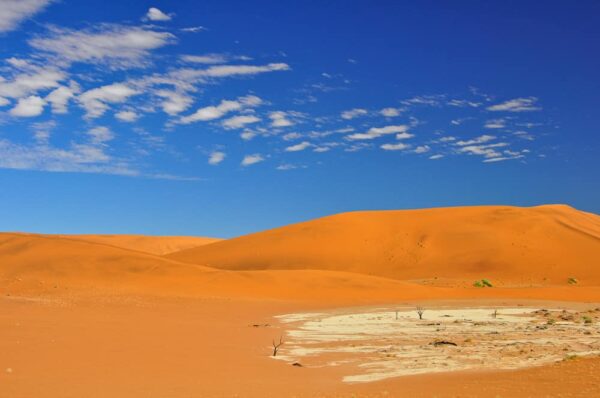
(203, 306)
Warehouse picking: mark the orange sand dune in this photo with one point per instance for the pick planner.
(510, 245)
(34, 265)
(68, 262)
(160, 245)
(42, 264)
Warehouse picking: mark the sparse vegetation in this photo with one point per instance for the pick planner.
(495, 314)
(551, 321)
(587, 320)
(572, 281)
(277, 345)
(420, 311)
(483, 283)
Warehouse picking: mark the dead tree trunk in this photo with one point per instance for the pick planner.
(277, 345)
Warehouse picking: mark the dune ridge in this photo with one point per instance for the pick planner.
(160, 245)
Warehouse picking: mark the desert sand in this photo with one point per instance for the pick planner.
(160, 245)
(129, 316)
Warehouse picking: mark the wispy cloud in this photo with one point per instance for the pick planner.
(13, 12)
(298, 147)
(252, 159)
(238, 122)
(216, 157)
(280, 119)
(395, 147)
(516, 105)
(96, 101)
(224, 107)
(354, 113)
(376, 132)
(117, 46)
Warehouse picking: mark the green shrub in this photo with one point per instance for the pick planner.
(587, 320)
(483, 283)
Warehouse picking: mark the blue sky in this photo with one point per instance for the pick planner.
(226, 117)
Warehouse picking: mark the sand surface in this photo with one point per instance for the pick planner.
(160, 245)
(82, 317)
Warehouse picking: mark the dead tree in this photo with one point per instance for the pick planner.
(277, 345)
(420, 311)
(495, 314)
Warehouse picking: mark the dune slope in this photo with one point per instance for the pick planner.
(160, 245)
(512, 245)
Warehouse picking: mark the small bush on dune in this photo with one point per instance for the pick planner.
(572, 281)
(483, 283)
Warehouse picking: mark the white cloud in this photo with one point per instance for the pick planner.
(391, 112)
(29, 107)
(216, 157)
(88, 156)
(37, 79)
(4, 101)
(291, 136)
(60, 97)
(286, 166)
(13, 12)
(298, 147)
(478, 140)
(205, 59)
(219, 71)
(118, 46)
(279, 119)
(127, 116)
(252, 159)
(447, 139)
(237, 122)
(218, 111)
(100, 135)
(212, 58)
(95, 101)
(395, 147)
(376, 132)
(524, 135)
(354, 113)
(422, 149)
(495, 124)
(174, 102)
(464, 103)
(430, 100)
(488, 151)
(516, 105)
(193, 29)
(154, 14)
(435, 157)
(247, 135)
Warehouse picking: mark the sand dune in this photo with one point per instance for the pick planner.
(160, 245)
(42, 264)
(510, 245)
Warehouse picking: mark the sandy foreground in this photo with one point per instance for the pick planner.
(129, 316)
(128, 346)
